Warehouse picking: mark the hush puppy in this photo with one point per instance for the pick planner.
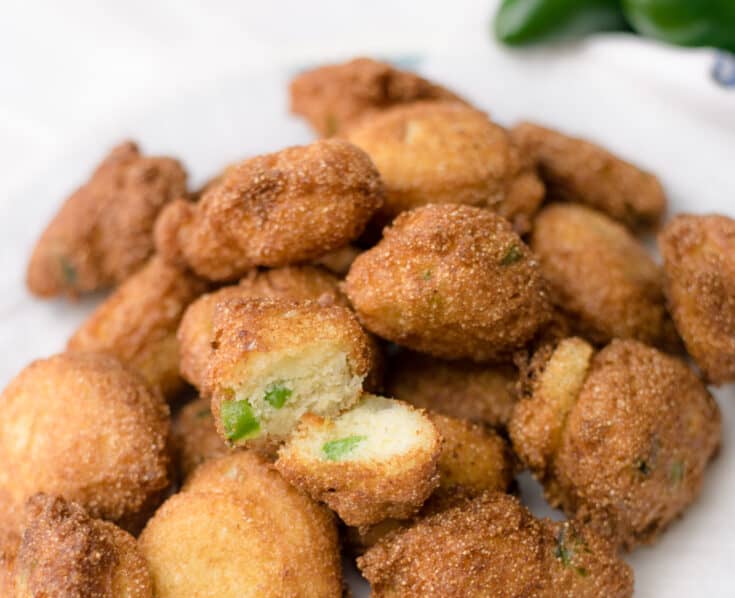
(65, 552)
(601, 276)
(195, 438)
(84, 427)
(443, 152)
(579, 171)
(460, 389)
(620, 439)
(294, 283)
(699, 264)
(493, 547)
(274, 210)
(334, 97)
(104, 231)
(452, 281)
(275, 360)
(375, 461)
(138, 323)
(237, 530)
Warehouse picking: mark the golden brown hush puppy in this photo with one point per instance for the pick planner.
(452, 281)
(195, 438)
(104, 231)
(138, 323)
(494, 548)
(237, 530)
(699, 264)
(84, 427)
(620, 439)
(275, 360)
(274, 210)
(375, 461)
(601, 276)
(294, 283)
(9, 543)
(334, 97)
(579, 171)
(443, 152)
(65, 552)
(461, 389)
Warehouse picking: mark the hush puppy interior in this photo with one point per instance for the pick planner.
(274, 210)
(334, 97)
(375, 461)
(274, 360)
(238, 529)
(601, 277)
(138, 323)
(699, 264)
(620, 438)
(452, 281)
(492, 546)
(441, 152)
(459, 389)
(84, 427)
(579, 171)
(65, 552)
(104, 230)
(294, 283)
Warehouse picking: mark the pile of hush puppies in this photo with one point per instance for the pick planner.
(352, 348)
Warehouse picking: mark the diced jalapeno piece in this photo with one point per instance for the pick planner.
(511, 256)
(277, 394)
(238, 420)
(334, 450)
(68, 271)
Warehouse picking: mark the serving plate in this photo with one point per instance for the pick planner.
(659, 125)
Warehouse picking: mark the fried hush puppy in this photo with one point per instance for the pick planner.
(65, 552)
(452, 281)
(275, 360)
(195, 438)
(334, 97)
(460, 389)
(84, 427)
(601, 277)
(293, 283)
(493, 547)
(9, 543)
(442, 152)
(699, 264)
(473, 460)
(104, 231)
(137, 323)
(375, 461)
(578, 171)
(238, 529)
(274, 210)
(620, 439)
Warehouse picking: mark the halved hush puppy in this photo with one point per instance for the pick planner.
(274, 210)
(274, 360)
(493, 547)
(138, 322)
(334, 97)
(443, 152)
(84, 427)
(65, 552)
(620, 439)
(293, 283)
(602, 277)
(460, 389)
(699, 263)
(238, 529)
(452, 281)
(375, 461)
(578, 171)
(104, 230)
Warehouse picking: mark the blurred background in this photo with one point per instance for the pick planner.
(70, 67)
